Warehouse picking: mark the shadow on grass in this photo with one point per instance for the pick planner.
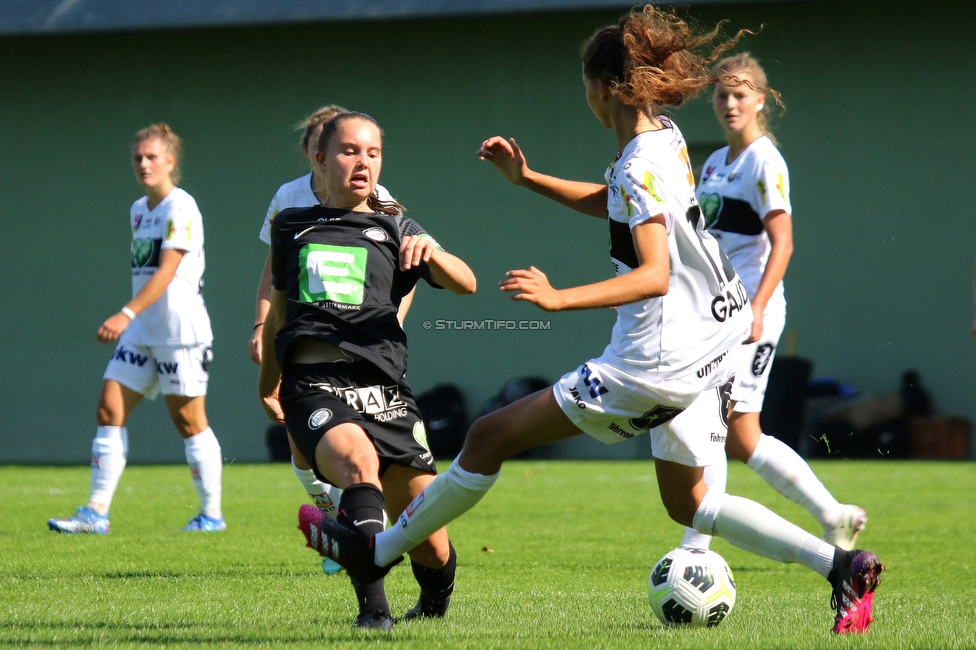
(61, 633)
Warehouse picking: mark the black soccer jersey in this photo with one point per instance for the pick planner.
(341, 274)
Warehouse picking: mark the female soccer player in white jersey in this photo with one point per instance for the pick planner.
(744, 195)
(339, 272)
(303, 192)
(164, 339)
(681, 310)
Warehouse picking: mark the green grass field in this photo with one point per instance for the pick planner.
(571, 546)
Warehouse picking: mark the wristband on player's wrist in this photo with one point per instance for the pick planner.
(128, 312)
(257, 325)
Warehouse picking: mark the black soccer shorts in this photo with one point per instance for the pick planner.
(317, 397)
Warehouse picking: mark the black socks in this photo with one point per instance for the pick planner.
(361, 509)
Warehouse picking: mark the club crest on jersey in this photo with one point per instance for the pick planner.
(141, 250)
(376, 234)
(711, 207)
(137, 222)
(318, 418)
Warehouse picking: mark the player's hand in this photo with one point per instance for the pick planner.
(757, 326)
(112, 329)
(272, 407)
(415, 250)
(532, 285)
(255, 345)
(506, 156)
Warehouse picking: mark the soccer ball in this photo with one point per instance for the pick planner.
(691, 587)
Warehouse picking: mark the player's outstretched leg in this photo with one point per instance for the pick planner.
(846, 523)
(747, 525)
(348, 547)
(791, 476)
(855, 577)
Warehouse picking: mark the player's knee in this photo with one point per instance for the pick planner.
(363, 464)
(478, 433)
(108, 416)
(483, 444)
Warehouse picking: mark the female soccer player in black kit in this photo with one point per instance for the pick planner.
(339, 271)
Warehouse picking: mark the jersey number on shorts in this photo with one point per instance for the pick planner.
(333, 273)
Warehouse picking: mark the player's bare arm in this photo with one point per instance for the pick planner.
(779, 228)
(507, 157)
(269, 377)
(447, 270)
(262, 304)
(650, 279)
(169, 260)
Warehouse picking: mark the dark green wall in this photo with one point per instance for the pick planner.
(877, 136)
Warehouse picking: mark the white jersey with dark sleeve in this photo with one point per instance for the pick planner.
(179, 316)
(736, 197)
(298, 194)
(705, 311)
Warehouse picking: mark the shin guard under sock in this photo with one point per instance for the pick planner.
(361, 508)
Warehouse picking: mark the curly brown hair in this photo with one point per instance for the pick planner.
(651, 57)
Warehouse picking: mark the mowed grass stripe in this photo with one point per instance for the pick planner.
(571, 546)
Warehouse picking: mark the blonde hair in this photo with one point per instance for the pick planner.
(321, 116)
(728, 72)
(172, 142)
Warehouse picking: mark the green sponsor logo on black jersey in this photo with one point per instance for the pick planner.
(333, 273)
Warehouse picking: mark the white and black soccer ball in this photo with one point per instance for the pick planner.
(691, 587)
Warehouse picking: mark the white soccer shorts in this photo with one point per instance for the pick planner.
(752, 362)
(612, 405)
(166, 369)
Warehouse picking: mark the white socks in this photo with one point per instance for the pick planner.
(790, 475)
(752, 527)
(324, 496)
(445, 499)
(206, 465)
(716, 479)
(109, 451)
